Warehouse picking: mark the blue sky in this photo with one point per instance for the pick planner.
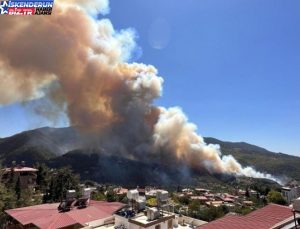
(232, 65)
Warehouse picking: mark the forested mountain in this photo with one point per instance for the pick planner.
(59, 147)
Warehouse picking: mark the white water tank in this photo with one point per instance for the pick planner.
(133, 194)
(86, 193)
(71, 194)
(162, 195)
(176, 221)
(152, 213)
(141, 203)
(296, 204)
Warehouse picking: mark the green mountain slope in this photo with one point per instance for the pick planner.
(38, 145)
(63, 147)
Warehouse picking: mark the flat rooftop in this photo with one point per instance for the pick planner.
(185, 226)
(189, 222)
(142, 220)
(109, 226)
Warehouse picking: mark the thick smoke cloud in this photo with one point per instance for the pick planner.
(175, 133)
(81, 64)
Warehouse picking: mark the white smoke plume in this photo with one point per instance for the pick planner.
(87, 61)
(174, 132)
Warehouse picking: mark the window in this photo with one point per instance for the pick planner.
(157, 226)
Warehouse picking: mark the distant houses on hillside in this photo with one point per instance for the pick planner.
(26, 176)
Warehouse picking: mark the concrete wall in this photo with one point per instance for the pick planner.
(163, 225)
(100, 222)
(192, 221)
(129, 225)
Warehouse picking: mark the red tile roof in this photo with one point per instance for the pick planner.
(263, 218)
(229, 196)
(21, 169)
(46, 216)
(199, 198)
(55, 221)
(121, 191)
(227, 199)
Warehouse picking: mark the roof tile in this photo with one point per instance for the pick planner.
(263, 218)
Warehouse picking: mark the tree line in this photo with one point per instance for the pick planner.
(51, 186)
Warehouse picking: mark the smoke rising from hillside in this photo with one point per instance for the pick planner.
(87, 61)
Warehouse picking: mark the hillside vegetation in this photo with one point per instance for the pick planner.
(60, 147)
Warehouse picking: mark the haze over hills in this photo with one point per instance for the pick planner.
(66, 147)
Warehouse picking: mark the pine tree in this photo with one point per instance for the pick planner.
(42, 179)
(7, 200)
(62, 180)
(18, 188)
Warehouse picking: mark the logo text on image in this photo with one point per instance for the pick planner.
(26, 7)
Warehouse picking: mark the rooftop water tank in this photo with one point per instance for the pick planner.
(296, 205)
(141, 203)
(176, 221)
(133, 194)
(162, 195)
(71, 194)
(86, 193)
(152, 214)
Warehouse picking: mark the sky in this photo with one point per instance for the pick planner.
(233, 66)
